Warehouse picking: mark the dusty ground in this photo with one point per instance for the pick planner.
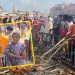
(42, 67)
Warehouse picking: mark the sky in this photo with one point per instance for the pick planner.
(30, 5)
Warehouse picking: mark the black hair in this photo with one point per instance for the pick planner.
(10, 28)
(16, 34)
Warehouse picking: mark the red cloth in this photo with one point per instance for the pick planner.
(63, 32)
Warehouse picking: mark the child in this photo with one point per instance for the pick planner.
(15, 51)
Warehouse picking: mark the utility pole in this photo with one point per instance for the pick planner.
(13, 5)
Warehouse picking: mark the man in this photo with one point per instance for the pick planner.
(71, 34)
(71, 30)
(56, 24)
(3, 44)
(5, 20)
(9, 30)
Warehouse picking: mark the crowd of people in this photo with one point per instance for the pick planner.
(46, 33)
(15, 45)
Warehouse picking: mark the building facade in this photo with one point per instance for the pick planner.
(2, 10)
(62, 9)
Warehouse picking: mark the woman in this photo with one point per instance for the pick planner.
(15, 51)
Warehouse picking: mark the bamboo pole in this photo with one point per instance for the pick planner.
(53, 48)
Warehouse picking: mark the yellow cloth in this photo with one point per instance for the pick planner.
(65, 46)
(23, 34)
(3, 43)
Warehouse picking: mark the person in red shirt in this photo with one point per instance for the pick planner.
(71, 30)
(71, 34)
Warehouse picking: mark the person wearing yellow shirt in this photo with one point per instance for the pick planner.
(3, 44)
(4, 40)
